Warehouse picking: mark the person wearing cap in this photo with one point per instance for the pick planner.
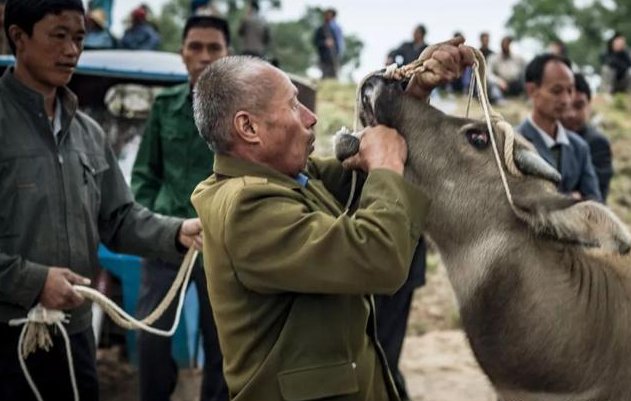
(171, 160)
(97, 35)
(141, 35)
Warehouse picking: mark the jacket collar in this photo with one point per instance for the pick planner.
(33, 101)
(561, 138)
(230, 166)
(183, 97)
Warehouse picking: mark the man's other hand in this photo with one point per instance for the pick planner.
(58, 292)
(379, 147)
(191, 234)
(443, 63)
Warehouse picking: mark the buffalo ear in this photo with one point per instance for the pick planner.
(567, 220)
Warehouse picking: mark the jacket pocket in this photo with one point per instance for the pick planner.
(93, 168)
(318, 382)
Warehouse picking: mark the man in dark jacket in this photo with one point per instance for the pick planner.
(329, 42)
(617, 65)
(61, 194)
(576, 118)
(171, 161)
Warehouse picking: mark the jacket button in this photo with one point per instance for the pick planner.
(354, 365)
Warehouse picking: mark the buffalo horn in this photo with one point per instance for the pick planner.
(531, 163)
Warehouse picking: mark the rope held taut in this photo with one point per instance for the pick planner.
(35, 333)
(492, 118)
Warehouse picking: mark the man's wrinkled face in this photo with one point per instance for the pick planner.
(552, 97)
(577, 115)
(49, 56)
(201, 48)
(286, 128)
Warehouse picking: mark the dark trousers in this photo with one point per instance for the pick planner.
(329, 68)
(49, 370)
(157, 369)
(392, 317)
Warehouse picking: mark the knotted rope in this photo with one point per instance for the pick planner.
(493, 119)
(35, 332)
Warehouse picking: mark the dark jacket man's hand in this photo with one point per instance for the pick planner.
(58, 292)
(190, 234)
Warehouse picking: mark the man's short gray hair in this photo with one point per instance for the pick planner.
(224, 88)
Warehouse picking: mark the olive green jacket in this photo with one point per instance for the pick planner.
(289, 272)
(172, 158)
(59, 200)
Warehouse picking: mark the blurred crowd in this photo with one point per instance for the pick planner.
(506, 68)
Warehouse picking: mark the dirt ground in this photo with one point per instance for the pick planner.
(436, 359)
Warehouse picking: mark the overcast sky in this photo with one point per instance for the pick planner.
(384, 24)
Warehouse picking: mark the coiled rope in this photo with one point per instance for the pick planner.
(35, 332)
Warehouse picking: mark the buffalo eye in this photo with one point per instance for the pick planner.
(478, 139)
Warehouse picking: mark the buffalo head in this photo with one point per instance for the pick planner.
(452, 159)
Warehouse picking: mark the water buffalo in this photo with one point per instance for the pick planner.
(544, 288)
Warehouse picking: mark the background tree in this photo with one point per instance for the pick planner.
(594, 21)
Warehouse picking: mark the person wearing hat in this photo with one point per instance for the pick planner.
(97, 35)
(141, 35)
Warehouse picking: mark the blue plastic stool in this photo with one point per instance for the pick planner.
(127, 269)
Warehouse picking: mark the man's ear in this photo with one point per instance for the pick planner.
(246, 127)
(17, 36)
(531, 88)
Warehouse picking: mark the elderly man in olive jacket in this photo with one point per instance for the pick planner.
(289, 270)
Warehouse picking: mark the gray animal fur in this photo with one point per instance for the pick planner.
(545, 297)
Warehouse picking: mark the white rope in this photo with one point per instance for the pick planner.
(487, 115)
(417, 66)
(35, 333)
